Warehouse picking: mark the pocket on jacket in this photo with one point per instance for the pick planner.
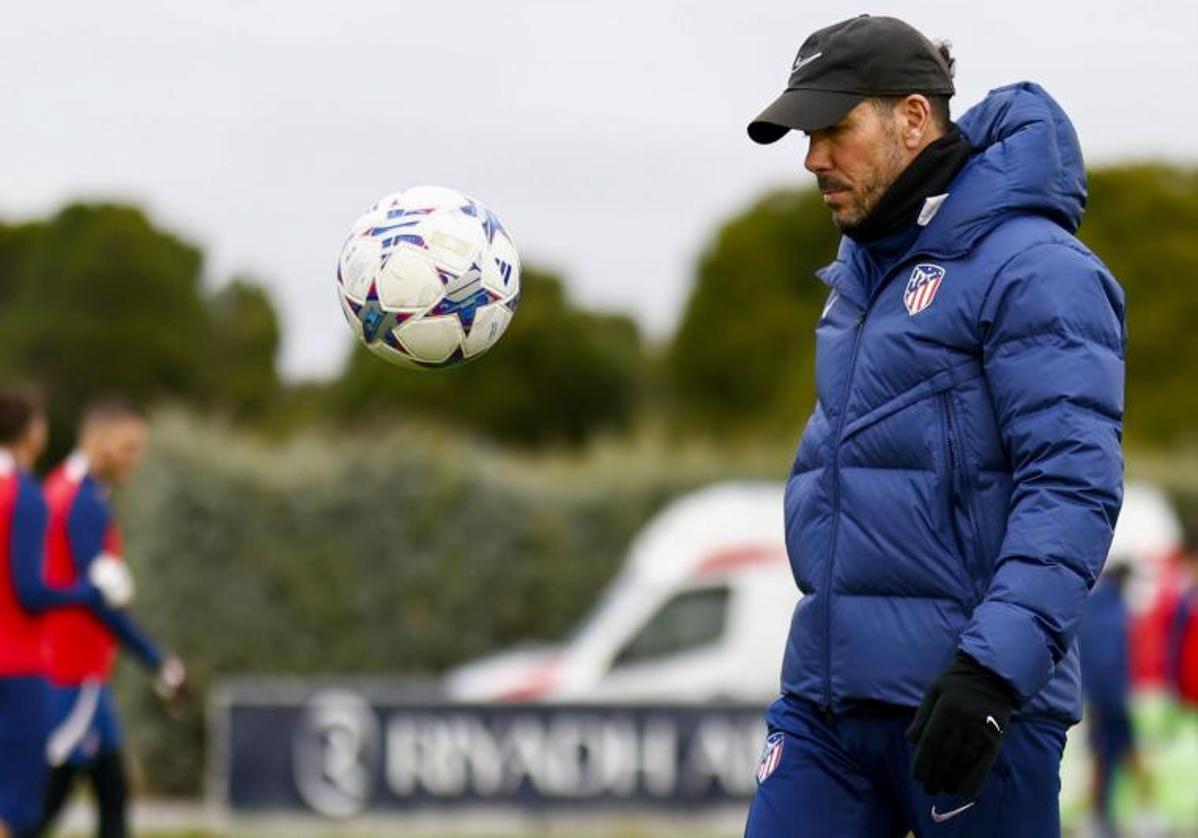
(958, 479)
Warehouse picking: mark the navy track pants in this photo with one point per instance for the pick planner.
(849, 776)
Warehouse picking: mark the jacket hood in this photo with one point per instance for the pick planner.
(1026, 160)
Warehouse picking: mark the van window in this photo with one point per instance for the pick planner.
(689, 621)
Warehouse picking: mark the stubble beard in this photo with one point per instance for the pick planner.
(865, 197)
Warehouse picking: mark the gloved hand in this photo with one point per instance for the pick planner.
(959, 727)
(111, 577)
(172, 679)
(171, 686)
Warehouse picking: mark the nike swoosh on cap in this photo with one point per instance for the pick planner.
(990, 720)
(801, 62)
(941, 817)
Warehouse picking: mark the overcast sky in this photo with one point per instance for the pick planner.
(609, 136)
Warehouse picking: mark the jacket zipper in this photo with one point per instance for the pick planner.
(950, 437)
(858, 328)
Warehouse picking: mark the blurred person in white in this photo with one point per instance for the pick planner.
(84, 542)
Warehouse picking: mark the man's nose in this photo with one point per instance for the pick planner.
(817, 159)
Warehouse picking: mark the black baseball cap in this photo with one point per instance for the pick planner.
(847, 62)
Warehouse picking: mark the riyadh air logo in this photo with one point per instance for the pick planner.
(921, 287)
(335, 753)
(771, 755)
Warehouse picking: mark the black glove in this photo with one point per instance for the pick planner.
(959, 727)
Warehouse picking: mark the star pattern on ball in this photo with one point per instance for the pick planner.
(377, 322)
(491, 226)
(464, 295)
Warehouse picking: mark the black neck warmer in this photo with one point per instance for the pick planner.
(928, 174)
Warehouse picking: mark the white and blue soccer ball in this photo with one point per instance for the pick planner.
(428, 278)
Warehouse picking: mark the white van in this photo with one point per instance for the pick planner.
(701, 609)
(699, 613)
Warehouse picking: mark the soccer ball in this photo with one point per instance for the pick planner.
(428, 278)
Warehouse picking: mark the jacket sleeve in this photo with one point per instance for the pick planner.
(87, 520)
(86, 525)
(132, 637)
(1053, 342)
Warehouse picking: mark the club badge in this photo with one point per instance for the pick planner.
(921, 287)
(771, 756)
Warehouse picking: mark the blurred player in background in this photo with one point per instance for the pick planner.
(24, 693)
(84, 542)
(1182, 656)
(1106, 685)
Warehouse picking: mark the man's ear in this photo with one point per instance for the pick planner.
(916, 125)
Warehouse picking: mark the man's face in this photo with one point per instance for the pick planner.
(855, 161)
(119, 449)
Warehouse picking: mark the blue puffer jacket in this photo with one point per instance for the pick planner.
(958, 482)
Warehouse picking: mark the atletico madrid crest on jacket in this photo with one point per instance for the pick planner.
(922, 287)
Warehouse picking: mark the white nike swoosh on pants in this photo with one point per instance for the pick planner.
(941, 817)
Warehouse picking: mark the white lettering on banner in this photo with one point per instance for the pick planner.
(565, 756)
(575, 757)
(483, 757)
(445, 756)
(657, 758)
(523, 752)
(348, 752)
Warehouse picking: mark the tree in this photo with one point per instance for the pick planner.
(742, 356)
(242, 349)
(559, 374)
(16, 245)
(1142, 221)
(102, 301)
